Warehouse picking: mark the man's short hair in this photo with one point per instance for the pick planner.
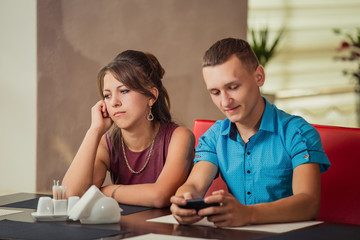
(223, 49)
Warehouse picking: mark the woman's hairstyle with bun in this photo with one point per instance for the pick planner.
(140, 72)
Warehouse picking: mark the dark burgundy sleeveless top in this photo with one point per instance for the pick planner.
(120, 173)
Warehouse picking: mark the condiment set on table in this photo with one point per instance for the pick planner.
(92, 208)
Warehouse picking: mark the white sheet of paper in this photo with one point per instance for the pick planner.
(7, 212)
(153, 236)
(274, 227)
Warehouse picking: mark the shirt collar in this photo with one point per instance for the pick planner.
(267, 122)
(227, 126)
(268, 118)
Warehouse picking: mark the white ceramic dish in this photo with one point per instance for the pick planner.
(48, 218)
(104, 211)
(82, 209)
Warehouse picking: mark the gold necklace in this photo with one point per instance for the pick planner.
(147, 159)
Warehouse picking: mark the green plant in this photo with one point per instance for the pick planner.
(349, 50)
(261, 45)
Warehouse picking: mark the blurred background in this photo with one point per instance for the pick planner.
(52, 50)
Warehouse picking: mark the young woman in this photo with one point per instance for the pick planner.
(133, 137)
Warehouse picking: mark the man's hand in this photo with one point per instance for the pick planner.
(230, 213)
(183, 216)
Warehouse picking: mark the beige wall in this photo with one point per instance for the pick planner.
(17, 95)
(76, 38)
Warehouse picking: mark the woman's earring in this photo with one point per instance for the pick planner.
(150, 116)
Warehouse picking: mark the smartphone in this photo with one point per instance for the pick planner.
(198, 204)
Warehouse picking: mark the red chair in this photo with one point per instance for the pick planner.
(199, 128)
(340, 190)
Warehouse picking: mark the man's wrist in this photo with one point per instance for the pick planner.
(252, 214)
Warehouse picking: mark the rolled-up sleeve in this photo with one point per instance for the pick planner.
(206, 148)
(304, 144)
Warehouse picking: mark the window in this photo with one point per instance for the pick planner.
(303, 76)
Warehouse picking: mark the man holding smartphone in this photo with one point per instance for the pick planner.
(271, 161)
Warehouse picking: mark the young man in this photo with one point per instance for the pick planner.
(271, 161)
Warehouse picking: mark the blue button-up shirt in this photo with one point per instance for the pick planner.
(261, 170)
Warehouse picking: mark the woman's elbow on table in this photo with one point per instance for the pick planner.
(160, 200)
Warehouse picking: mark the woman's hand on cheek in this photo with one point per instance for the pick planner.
(100, 118)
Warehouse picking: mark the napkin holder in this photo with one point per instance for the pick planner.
(95, 208)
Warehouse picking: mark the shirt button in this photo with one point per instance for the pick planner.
(248, 153)
(248, 193)
(248, 171)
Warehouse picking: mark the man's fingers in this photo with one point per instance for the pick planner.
(188, 196)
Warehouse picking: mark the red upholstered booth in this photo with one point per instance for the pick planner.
(340, 185)
(199, 128)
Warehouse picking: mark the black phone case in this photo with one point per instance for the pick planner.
(198, 204)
